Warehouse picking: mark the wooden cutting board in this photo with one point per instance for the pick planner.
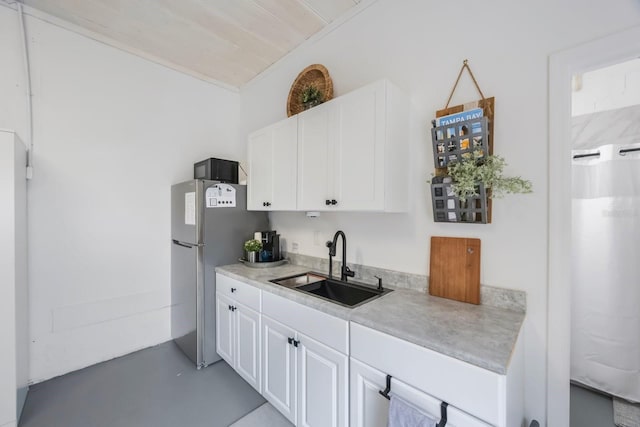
(454, 269)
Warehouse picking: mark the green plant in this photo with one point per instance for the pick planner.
(310, 94)
(253, 245)
(487, 170)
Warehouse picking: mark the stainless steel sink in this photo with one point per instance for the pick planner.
(348, 294)
(299, 279)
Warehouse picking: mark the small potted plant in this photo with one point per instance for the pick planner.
(310, 97)
(251, 250)
(487, 170)
(462, 195)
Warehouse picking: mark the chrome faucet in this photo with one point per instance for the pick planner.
(346, 271)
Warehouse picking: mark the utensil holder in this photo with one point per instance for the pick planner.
(251, 256)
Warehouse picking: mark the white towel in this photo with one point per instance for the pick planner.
(625, 414)
(403, 414)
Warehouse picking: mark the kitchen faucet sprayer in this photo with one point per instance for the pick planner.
(345, 271)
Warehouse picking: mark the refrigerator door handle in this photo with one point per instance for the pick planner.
(184, 245)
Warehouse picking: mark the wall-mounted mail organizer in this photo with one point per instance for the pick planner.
(447, 207)
(461, 132)
(454, 141)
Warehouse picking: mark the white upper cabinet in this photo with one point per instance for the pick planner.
(314, 157)
(352, 154)
(358, 168)
(272, 176)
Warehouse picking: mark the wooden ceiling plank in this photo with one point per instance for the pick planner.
(294, 14)
(329, 10)
(213, 23)
(259, 22)
(230, 41)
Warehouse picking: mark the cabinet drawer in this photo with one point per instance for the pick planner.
(472, 389)
(239, 291)
(370, 409)
(327, 329)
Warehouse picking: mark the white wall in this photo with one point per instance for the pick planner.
(607, 88)
(12, 100)
(420, 47)
(112, 132)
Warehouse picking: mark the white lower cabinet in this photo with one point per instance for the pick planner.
(238, 307)
(303, 378)
(247, 357)
(278, 367)
(225, 328)
(322, 385)
(319, 370)
(238, 338)
(370, 409)
(305, 365)
(476, 396)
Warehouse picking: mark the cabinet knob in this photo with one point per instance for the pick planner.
(327, 202)
(229, 308)
(290, 340)
(334, 202)
(266, 204)
(233, 289)
(295, 343)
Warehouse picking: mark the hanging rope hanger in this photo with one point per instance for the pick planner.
(465, 65)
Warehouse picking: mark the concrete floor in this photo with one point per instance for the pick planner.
(590, 409)
(264, 416)
(160, 387)
(155, 387)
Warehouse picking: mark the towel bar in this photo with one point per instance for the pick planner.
(443, 415)
(386, 391)
(443, 405)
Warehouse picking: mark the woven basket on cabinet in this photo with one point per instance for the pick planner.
(316, 75)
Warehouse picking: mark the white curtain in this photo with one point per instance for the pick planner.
(605, 306)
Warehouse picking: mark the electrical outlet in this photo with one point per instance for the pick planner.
(294, 247)
(317, 239)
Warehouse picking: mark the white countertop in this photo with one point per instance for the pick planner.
(480, 335)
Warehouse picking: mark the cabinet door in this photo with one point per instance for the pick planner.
(284, 164)
(260, 171)
(322, 385)
(278, 367)
(247, 357)
(370, 409)
(225, 336)
(358, 158)
(314, 156)
(272, 175)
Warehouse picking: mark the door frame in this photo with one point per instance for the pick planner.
(615, 48)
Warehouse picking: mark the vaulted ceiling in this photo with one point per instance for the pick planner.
(229, 41)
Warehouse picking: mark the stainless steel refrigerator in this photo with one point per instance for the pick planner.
(209, 224)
